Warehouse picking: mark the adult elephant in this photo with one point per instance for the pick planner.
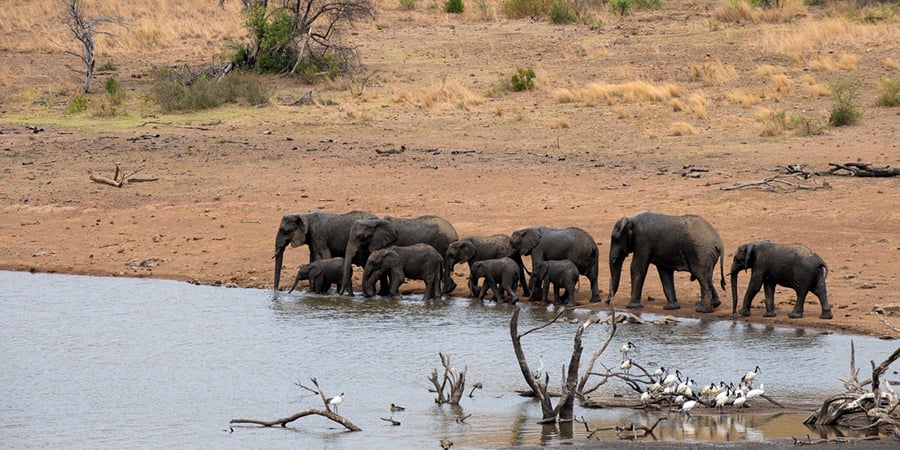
(417, 261)
(683, 243)
(790, 265)
(325, 234)
(368, 235)
(479, 248)
(551, 244)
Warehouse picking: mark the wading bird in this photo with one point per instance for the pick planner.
(748, 378)
(626, 347)
(335, 401)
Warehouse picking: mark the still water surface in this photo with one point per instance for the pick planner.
(115, 363)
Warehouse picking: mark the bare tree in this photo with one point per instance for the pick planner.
(83, 30)
(315, 28)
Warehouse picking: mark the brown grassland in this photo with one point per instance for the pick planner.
(621, 110)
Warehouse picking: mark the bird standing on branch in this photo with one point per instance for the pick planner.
(335, 401)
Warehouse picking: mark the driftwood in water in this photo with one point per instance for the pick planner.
(327, 413)
(455, 381)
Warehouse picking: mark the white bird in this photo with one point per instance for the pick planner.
(670, 378)
(655, 387)
(645, 397)
(687, 406)
(539, 373)
(740, 399)
(626, 365)
(753, 393)
(626, 347)
(748, 378)
(679, 400)
(335, 401)
(659, 372)
(722, 397)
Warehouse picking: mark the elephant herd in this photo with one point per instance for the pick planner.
(391, 250)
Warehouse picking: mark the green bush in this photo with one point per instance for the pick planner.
(522, 80)
(621, 7)
(888, 93)
(454, 7)
(845, 111)
(205, 92)
(274, 34)
(112, 86)
(409, 4)
(77, 105)
(562, 11)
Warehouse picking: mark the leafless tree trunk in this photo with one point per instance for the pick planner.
(456, 381)
(83, 30)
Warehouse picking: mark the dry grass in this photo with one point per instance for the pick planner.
(450, 94)
(813, 87)
(563, 95)
(680, 129)
(745, 97)
(697, 102)
(741, 11)
(558, 123)
(816, 35)
(891, 64)
(782, 85)
(844, 61)
(712, 73)
(775, 123)
(766, 70)
(631, 92)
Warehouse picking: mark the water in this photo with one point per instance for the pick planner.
(114, 362)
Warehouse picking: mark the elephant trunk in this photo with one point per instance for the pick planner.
(296, 281)
(369, 278)
(279, 259)
(347, 270)
(449, 284)
(734, 293)
(615, 274)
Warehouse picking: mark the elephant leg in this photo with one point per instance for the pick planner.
(483, 291)
(557, 288)
(667, 278)
(510, 287)
(709, 300)
(545, 290)
(473, 284)
(638, 272)
(769, 289)
(798, 306)
(822, 293)
(753, 287)
(396, 279)
(716, 302)
(498, 293)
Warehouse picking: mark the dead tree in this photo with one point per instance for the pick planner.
(861, 409)
(327, 413)
(455, 381)
(859, 169)
(83, 30)
(565, 408)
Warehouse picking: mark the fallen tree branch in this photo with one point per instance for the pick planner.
(119, 179)
(858, 169)
(189, 127)
(778, 184)
(307, 412)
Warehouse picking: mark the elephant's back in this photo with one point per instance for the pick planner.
(433, 230)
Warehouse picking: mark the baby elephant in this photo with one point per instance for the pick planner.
(417, 261)
(501, 275)
(562, 273)
(789, 265)
(320, 273)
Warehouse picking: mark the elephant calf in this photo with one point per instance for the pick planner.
(479, 248)
(562, 273)
(321, 274)
(501, 275)
(790, 265)
(417, 261)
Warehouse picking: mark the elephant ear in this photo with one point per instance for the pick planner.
(391, 259)
(623, 234)
(540, 270)
(466, 251)
(530, 239)
(749, 255)
(315, 272)
(298, 238)
(383, 235)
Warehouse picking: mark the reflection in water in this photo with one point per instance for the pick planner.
(106, 362)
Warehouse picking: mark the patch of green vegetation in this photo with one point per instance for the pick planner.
(522, 80)
(621, 7)
(844, 111)
(647, 4)
(107, 67)
(454, 7)
(520, 9)
(562, 12)
(77, 105)
(171, 94)
(888, 93)
(409, 5)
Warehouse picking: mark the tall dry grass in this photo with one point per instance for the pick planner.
(186, 27)
(630, 92)
(814, 35)
(713, 72)
(448, 94)
(742, 11)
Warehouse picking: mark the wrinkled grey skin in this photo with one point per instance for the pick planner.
(790, 265)
(549, 244)
(324, 233)
(479, 248)
(562, 273)
(369, 235)
(501, 275)
(683, 243)
(417, 261)
(321, 273)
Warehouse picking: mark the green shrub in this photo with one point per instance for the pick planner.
(621, 7)
(409, 4)
(171, 94)
(562, 11)
(274, 33)
(112, 86)
(845, 111)
(522, 80)
(454, 7)
(888, 93)
(647, 4)
(77, 105)
(107, 67)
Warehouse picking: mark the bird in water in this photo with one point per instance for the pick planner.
(687, 406)
(740, 399)
(626, 347)
(753, 393)
(335, 401)
(395, 408)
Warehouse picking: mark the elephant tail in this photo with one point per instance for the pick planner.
(824, 268)
(721, 265)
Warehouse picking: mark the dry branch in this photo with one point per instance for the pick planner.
(307, 412)
(120, 179)
(456, 382)
(778, 184)
(858, 169)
